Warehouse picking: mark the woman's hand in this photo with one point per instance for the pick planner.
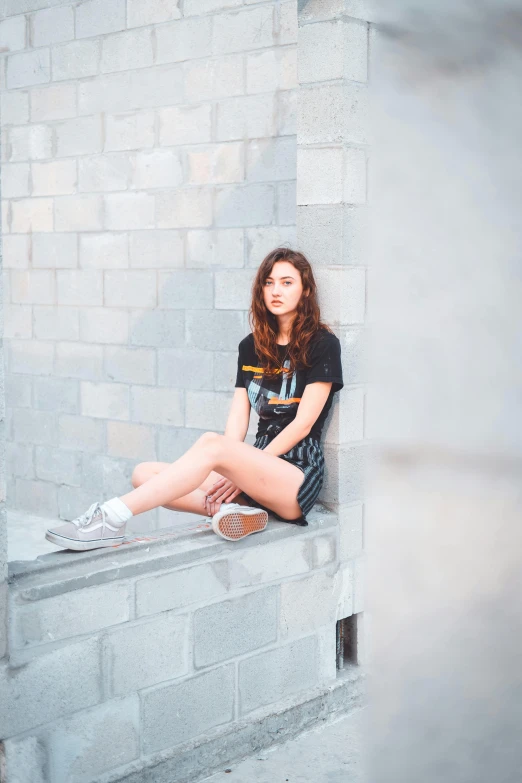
(223, 491)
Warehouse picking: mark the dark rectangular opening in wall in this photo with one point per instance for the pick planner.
(346, 647)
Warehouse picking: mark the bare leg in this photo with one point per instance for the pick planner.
(269, 480)
(193, 503)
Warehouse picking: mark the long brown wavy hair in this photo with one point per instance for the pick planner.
(306, 323)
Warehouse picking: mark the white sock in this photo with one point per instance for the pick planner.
(117, 511)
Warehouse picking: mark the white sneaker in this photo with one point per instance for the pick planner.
(91, 530)
(234, 521)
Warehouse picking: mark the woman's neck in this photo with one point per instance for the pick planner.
(284, 323)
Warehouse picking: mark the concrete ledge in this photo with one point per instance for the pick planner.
(167, 548)
(195, 760)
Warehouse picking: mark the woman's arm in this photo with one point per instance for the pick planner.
(312, 403)
(239, 415)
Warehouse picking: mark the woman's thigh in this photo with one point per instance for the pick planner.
(271, 481)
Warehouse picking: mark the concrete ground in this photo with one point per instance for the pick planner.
(330, 753)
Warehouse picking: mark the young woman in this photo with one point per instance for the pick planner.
(288, 370)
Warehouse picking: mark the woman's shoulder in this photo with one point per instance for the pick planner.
(323, 337)
(247, 343)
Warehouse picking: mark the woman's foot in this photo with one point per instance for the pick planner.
(234, 521)
(91, 530)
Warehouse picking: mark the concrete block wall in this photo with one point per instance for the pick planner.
(332, 163)
(238, 629)
(149, 163)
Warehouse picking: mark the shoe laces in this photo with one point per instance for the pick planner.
(85, 519)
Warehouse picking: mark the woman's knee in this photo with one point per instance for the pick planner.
(209, 440)
(142, 473)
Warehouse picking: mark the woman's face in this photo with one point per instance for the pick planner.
(283, 289)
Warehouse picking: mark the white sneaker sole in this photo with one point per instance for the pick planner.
(82, 546)
(234, 525)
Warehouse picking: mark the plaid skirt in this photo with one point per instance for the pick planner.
(307, 455)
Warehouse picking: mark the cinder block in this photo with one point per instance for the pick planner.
(63, 616)
(323, 550)
(15, 107)
(182, 289)
(56, 102)
(322, 111)
(129, 131)
(130, 365)
(131, 441)
(346, 420)
(95, 17)
(58, 467)
(16, 251)
(79, 287)
(136, 664)
(33, 695)
(185, 39)
(157, 328)
(97, 740)
(80, 136)
(156, 249)
(269, 562)
(244, 206)
(25, 759)
(221, 163)
(104, 251)
(182, 702)
(181, 588)
(101, 325)
(216, 330)
(225, 369)
(135, 89)
(18, 322)
(271, 676)
(185, 125)
(157, 169)
(156, 406)
(249, 116)
(321, 10)
(342, 294)
(75, 60)
(28, 68)
(109, 93)
(233, 289)
(344, 474)
(56, 323)
(15, 180)
(286, 112)
(309, 603)
(105, 400)
(36, 497)
(212, 79)
(286, 203)
(56, 177)
(320, 175)
(54, 251)
(359, 573)
(320, 230)
(184, 208)
(351, 533)
(231, 628)
(361, 9)
(106, 475)
(34, 286)
(134, 288)
(153, 12)
(18, 391)
(207, 410)
(197, 7)
(329, 36)
(174, 442)
(78, 213)
(269, 160)
(239, 31)
(288, 22)
(77, 360)
(19, 461)
(274, 69)
(104, 172)
(261, 240)
(129, 211)
(131, 49)
(222, 247)
(79, 432)
(12, 34)
(52, 25)
(32, 214)
(72, 501)
(184, 369)
(56, 394)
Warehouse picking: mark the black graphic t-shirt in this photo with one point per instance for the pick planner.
(276, 399)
